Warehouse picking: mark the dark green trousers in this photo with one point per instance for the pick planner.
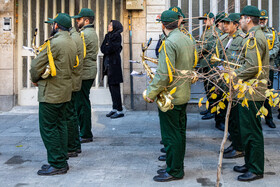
(234, 127)
(53, 130)
(252, 136)
(173, 133)
(84, 109)
(73, 125)
(207, 86)
(220, 118)
(266, 105)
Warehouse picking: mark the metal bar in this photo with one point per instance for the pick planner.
(249, 2)
(270, 11)
(259, 4)
(180, 3)
(237, 5)
(105, 22)
(54, 8)
(190, 17)
(200, 14)
(97, 16)
(81, 4)
(46, 18)
(29, 40)
(214, 6)
(89, 4)
(63, 6)
(113, 9)
(38, 21)
(130, 57)
(226, 6)
(19, 47)
(72, 10)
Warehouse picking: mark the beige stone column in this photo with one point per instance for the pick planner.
(7, 57)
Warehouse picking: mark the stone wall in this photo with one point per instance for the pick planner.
(7, 66)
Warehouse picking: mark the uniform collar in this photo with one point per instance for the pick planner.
(172, 32)
(61, 33)
(87, 26)
(255, 28)
(236, 33)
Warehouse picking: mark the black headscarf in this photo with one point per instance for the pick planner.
(117, 29)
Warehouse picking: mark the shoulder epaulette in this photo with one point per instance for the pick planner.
(242, 34)
(252, 34)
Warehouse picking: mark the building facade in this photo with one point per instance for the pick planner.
(19, 18)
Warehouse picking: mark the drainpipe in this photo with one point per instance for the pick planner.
(130, 57)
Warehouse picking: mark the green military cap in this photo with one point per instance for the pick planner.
(220, 16)
(250, 11)
(206, 15)
(169, 16)
(264, 14)
(178, 10)
(61, 19)
(84, 12)
(233, 17)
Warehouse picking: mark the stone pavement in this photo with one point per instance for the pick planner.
(124, 152)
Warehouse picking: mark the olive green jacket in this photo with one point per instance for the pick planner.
(249, 69)
(268, 32)
(206, 47)
(57, 89)
(180, 51)
(233, 50)
(91, 40)
(78, 68)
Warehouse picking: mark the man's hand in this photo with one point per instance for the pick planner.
(149, 100)
(35, 84)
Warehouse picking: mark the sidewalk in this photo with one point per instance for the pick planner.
(124, 153)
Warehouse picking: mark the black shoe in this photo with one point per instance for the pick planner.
(271, 124)
(79, 151)
(117, 115)
(52, 171)
(240, 169)
(233, 154)
(86, 140)
(208, 116)
(161, 142)
(163, 150)
(46, 166)
(220, 126)
(229, 149)
(72, 154)
(278, 116)
(165, 177)
(162, 158)
(110, 114)
(204, 112)
(161, 171)
(249, 176)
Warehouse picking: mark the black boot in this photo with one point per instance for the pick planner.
(204, 112)
(220, 126)
(270, 123)
(52, 171)
(208, 116)
(162, 158)
(165, 177)
(163, 150)
(249, 176)
(233, 154)
(240, 169)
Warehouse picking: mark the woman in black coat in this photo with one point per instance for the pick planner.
(111, 48)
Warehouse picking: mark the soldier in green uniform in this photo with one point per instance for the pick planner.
(255, 60)
(273, 44)
(232, 44)
(219, 23)
(182, 28)
(85, 20)
(176, 53)
(74, 144)
(59, 53)
(205, 50)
